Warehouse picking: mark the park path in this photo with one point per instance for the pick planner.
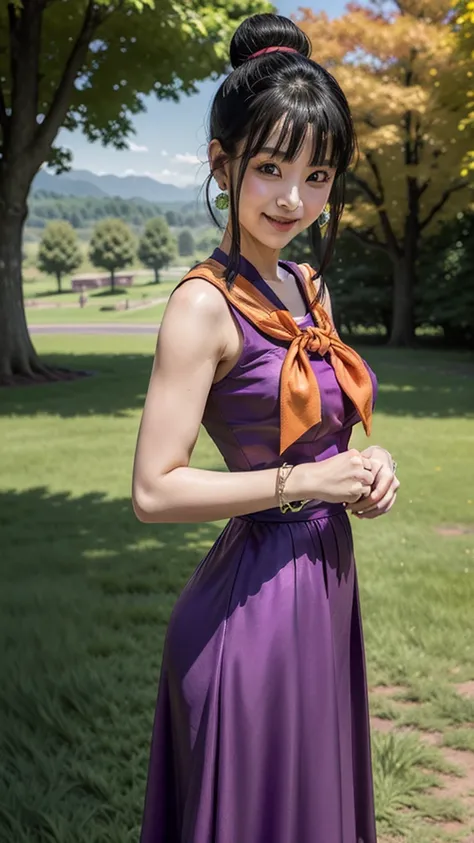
(94, 328)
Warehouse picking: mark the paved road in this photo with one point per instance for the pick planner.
(91, 328)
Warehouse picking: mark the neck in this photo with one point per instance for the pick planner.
(263, 258)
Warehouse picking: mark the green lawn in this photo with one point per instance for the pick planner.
(87, 592)
(64, 309)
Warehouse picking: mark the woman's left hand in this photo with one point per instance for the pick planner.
(384, 488)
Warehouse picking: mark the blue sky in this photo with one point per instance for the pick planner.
(170, 141)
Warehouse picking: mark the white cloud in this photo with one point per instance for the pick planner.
(164, 152)
(135, 147)
(187, 158)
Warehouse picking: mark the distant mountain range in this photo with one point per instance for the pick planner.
(85, 183)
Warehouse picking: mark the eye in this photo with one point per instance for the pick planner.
(262, 168)
(323, 173)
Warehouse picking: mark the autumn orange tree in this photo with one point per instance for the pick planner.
(391, 60)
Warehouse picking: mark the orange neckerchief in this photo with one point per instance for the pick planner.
(300, 400)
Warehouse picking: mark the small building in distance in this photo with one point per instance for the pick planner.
(92, 281)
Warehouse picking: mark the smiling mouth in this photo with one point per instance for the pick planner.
(281, 219)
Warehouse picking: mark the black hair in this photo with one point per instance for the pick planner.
(255, 96)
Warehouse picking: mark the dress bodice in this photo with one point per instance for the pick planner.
(242, 412)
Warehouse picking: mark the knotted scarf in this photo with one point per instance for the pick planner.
(300, 400)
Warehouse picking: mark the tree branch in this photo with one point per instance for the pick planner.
(367, 238)
(48, 129)
(444, 198)
(376, 172)
(365, 186)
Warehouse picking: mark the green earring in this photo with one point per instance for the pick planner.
(324, 217)
(222, 201)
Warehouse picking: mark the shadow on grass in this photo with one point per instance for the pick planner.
(87, 592)
(421, 383)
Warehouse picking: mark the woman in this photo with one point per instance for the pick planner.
(261, 731)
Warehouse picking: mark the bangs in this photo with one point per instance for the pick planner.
(333, 136)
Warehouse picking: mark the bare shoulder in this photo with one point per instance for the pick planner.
(198, 297)
(196, 311)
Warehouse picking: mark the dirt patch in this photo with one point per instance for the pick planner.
(454, 529)
(388, 690)
(459, 787)
(392, 693)
(382, 725)
(466, 689)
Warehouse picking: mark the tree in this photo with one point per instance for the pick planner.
(171, 218)
(58, 251)
(390, 59)
(446, 289)
(157, 247)
(86, 65)
(464, 26)
(186, 242)
(112, 246)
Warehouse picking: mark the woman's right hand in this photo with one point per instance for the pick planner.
(344, 478)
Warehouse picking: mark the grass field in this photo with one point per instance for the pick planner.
(64, 308)
(87, 592)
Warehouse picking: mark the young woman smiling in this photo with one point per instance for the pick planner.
(261, 731)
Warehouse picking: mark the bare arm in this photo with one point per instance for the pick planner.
(190, 345)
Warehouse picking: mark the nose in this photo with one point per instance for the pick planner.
(290, 199)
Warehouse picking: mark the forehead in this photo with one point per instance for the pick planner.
(306, 144)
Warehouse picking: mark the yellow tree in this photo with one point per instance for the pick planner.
(391, 60)
(464, 25)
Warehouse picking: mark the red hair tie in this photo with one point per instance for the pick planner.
(271, 50)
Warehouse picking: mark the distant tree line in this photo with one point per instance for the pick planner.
(113, 246)
(83, 211)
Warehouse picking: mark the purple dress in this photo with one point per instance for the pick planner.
(261, 730)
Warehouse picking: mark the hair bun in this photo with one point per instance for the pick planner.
(266, 30)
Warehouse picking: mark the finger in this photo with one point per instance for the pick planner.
(376, 512)
(377, 495)
(380, 508)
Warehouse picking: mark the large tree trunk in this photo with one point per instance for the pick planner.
(18, 359)
(19, 363)
(404, 274)
(402, 322)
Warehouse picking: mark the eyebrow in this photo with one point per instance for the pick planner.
(273, 152)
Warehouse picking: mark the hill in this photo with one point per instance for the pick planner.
(85, 183)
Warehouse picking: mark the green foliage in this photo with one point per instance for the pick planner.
(58, 251)
(208, 241)
(121, 68)
(446, 291)
(80, 211)
(157, 247)
(112, 246)
(186, 243)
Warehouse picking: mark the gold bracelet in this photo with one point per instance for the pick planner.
(284, 472)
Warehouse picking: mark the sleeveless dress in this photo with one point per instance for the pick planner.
(261, 729)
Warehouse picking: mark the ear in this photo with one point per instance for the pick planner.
(218, 163)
